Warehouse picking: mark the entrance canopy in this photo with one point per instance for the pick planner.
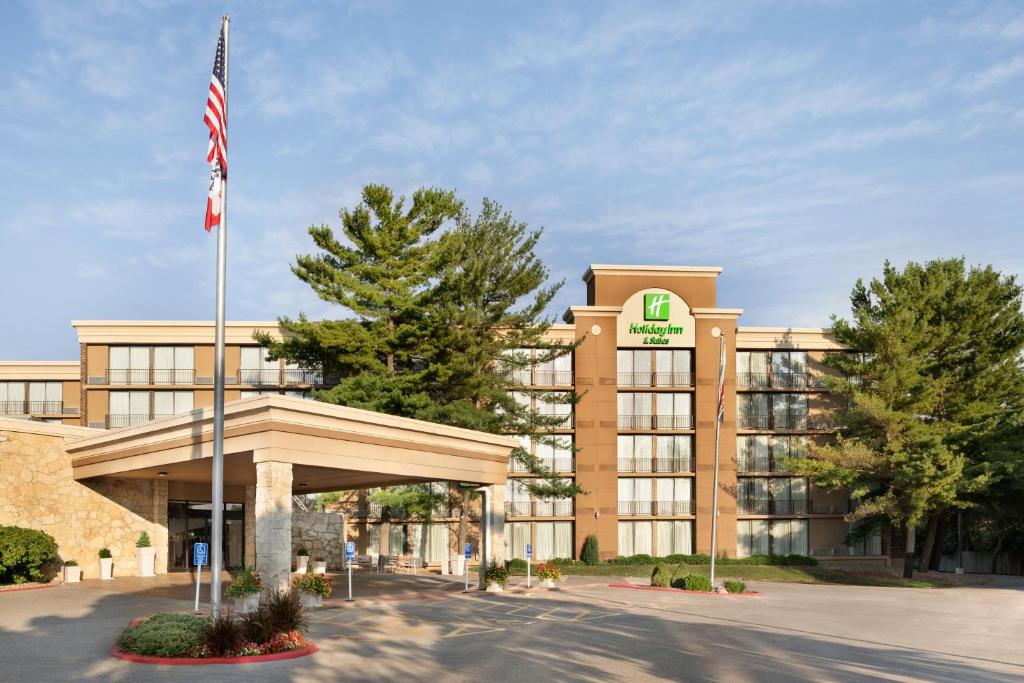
(329, 447)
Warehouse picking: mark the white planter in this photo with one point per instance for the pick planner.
(458, 565)
(319, 567)
(247, 603)
(301, 563)
(549, 583)
(495, 588)
(106, 568)
(146, 559)
(72, 574)
(311, 600)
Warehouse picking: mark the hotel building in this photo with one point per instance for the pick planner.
(640, 441)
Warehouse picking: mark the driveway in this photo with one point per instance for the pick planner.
(423, 628)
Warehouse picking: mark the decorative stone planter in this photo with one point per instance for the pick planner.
(318, 567)
(495, 588)
(301, 564)
(146, 559)
(106, 568)
(548, 583)
(458, 565)
(311, 600)
(72, 574)
(246, 603)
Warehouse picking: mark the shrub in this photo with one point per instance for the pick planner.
(678, 579)
(735, 586)
(632, 560)
(143, 541)
(800, 560)
(698, 582)
(318, 584)
(71, 563)
(660, 576)
(302, 552)
(244, 582)
(24, 553)
(286, 613)
(105, 554)
(165, 635)
(549, 572)
(495, 574)
(563, 561)
(222, 635)
(590, 554)
(687, 559)
(516, 565)
(258, 625)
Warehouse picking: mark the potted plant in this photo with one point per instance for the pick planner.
(145, 555)
(106, 564)
(301, 561)
(72, 572)
(319, 564)
(550, 574)
(245, 590)
(495, 578)
(313, 588)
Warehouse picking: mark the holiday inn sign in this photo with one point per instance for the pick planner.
(655, 318)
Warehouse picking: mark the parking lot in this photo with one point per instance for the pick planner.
(424, 628)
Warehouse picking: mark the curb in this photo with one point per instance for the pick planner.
(748, 594)
(17, 589)
(192, 661)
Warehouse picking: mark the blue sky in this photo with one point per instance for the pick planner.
(796, 144)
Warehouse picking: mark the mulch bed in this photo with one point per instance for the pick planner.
(194, 661)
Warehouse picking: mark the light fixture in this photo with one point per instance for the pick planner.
(716, 332)
(302, 485)
(161, 474)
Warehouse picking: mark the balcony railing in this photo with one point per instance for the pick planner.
(778, 380)
(31, 407)
(278, 377)
(789, 422)
(649, 508)
(673, 507)
(655, 464)
(655, 379)
(772, 506)
(565, 421)
(553, 464)
(661, 422)
(539, 508)
(116, 420)
(541, 378)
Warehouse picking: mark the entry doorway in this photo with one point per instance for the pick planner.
(190, 522)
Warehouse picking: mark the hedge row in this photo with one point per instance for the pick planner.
(642, 559)
(24, 553)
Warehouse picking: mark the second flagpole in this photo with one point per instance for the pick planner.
(217, 479)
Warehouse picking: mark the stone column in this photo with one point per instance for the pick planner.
(492, 530)
(274, 523)
(159, 536)
(249, 512)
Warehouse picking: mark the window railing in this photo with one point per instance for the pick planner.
(539, 508)
(749, 464)
(31, 407)
(259, 376)
(649, 508)
(636, 464)
(151, 376)
(116, 420)
(772, 506)
(552, 378)
(291, 376)
(655, 379)
(655, 464)
(788, 422)
(779, 380)
(754, 506)
(753, 380)
(673, 507)
(629, 508)
(173, 376)
(553, 464)
(565, 421)
(661, 422)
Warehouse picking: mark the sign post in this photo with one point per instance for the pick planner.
(199, 555)
(350, 554)
(529, 554)
(469, 553)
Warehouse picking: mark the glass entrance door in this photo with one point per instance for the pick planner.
(189, 522)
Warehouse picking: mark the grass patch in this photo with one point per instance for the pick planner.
(757, 572)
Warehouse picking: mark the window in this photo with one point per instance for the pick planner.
(553, 404)
(675, 496)
(634, 453)
(787, 447)
(752, 453)
(754, 411)
(373, 544)
(634, 368)
(12, 398)
(789, 537)
(517, 499)
(517, 535)
(660, 368)
(171, 402)
(173, 365)
(674, 537)
(255, 368)
(752, 497)
(635, 496)
(635, 411)
(868, 545)
(430, 541)
(789, 496)
(789, 369)
(516, 364)
(129, 365)
(672, 368)
(128, 408)
(752, 369)
(634, 538)
(396, 539)
(674, 411)
(752, 537)
(556, 372)
(557, 455)
(554, 539)
(45, 397)
(789, 411)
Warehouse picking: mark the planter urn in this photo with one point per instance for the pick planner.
(319, 567)
(106, 568)
(495, 588)
(311, 600)
(301, 564)
(548, 583)
(247, 603)
(146, 559)
(72, 574)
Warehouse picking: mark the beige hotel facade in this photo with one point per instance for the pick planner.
(640, 441)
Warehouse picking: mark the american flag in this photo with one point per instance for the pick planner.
(217, 121)
(721, 383)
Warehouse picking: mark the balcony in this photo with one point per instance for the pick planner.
(553, 464)
(540, 378)
(772, 506)
(170, 376)
(539, 508)
(789, 422)
(655, 379)
(31, 407)
(655, 465)
(659, 422)
(652, 508)
(778, 380)
(116, 420)
(669, 508)
(273, 377)
(565, 421)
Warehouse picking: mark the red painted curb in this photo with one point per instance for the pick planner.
(749, 594)
(196, 661)
(16, 589)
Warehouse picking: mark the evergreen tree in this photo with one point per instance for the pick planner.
(936, 365)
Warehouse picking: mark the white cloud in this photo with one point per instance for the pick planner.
(996, 75)
(92, 271)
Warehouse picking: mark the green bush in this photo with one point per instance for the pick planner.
(800, 560)
(495, 574)
(660, 577)
(735, 586)
(143, 541)
(165, 635)
(516, 565)
(590, 554)
(24, 553)
(686, 559)
(633, 560)
(104, 553)
(698, 582)
(679, 576)
(564, 561)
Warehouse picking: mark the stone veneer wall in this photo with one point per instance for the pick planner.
(320, 533)
(37, 491)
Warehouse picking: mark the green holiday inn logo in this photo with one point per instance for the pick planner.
(655, 306)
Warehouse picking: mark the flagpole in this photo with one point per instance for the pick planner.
(217, 479)
(716, 332)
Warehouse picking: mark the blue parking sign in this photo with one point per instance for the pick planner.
(469, 550)
(200, 551)
(529, 550)
(350, 550)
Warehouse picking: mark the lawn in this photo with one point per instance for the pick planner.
(757, 572)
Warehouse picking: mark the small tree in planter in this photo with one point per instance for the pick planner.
(313, 588)
(319, 564)
(72, 572)
(145, 555)
(590, 554)
(495, 578)
(245, 590)
(550, 574)
(301, 561)
(106, 564)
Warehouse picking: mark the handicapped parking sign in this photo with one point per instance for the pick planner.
(529, 550)
(200, 552)
(350, 550)
(469, 550)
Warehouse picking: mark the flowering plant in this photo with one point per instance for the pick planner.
(549, 572)
(495, 574)
(245, 582)
(281, 642)
(318, 584)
